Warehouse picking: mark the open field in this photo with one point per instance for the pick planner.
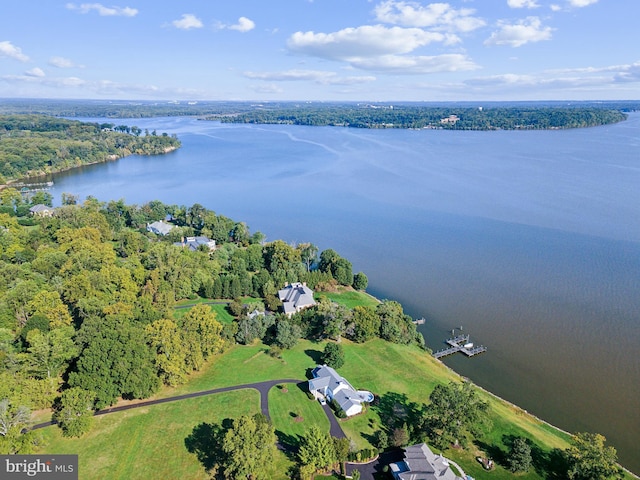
(128, 444)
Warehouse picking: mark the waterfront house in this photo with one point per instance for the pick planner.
(295, 297)
(420, 463)
(159, 227)
(327, 384)
(194, 243)
(41, 210)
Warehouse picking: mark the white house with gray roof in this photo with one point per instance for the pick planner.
(329, 384)
(194, 243)
(41, 210)
(295, 297)
(420, 463)
(159, 227)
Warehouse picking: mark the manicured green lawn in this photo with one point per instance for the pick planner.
(149, 442)
(222, 313)
(350, 298)
(128, 443)
(293, 413)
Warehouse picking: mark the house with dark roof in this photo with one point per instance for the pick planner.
(41, 210)
(295, 297)
(327, 384)
(194, 243)
(159, 227)
(420, 463)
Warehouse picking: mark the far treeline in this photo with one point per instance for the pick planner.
(32, 145)
(418, 117)
(471, 115)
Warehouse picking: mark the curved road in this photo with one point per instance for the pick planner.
(262, 387)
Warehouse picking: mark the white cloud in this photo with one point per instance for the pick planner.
(381, 49)
(8, 49)
(555, 8)
(582, 3)
(439, 16)
(522, 3)
(364, 41)
(102, 10)
(515, 35)
(61, 62)
(408, 64)
(50, 82)
(187, 22)
(243, 25)
(35, 72)
(628, 73)
(267, 88)
(317, 76)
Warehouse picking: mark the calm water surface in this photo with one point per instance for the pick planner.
(528, 240)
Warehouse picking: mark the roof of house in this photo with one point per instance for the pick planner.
(420, 463)
(160, 227)
(296, 296)
(327, 379)
(39, 208)
(192, 243)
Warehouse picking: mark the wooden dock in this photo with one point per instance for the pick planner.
(457, 344)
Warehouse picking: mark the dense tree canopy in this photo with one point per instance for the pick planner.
(590, 459)
(35, 144)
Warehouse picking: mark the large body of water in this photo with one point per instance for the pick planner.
(529, 240)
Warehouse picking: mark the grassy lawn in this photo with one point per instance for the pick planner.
(128, 444)
(222, 314)
(149, 442)
(350, 298)
(293, 413)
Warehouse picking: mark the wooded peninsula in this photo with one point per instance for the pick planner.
(34, 145)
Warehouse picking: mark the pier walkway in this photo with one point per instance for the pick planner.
(460, 344)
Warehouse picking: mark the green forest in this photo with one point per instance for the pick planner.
(91, 279)
(32, 145)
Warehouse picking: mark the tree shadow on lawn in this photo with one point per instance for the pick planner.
(551, 465)
(315, 355)
(395, 410)
(493, 452)
(288, 444)
(205, 441)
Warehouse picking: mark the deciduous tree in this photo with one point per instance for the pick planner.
(590, 459)
(249, 448)
(75, 412)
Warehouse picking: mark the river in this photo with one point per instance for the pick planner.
(528, 240)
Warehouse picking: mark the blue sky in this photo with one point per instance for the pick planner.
(378, 50)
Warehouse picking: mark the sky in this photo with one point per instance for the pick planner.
(321, 50)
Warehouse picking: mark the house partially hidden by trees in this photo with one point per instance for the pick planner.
(295, 297)
(421, 463)
(159, 227)
(194, 243)
(41, 210)
(328, 384)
